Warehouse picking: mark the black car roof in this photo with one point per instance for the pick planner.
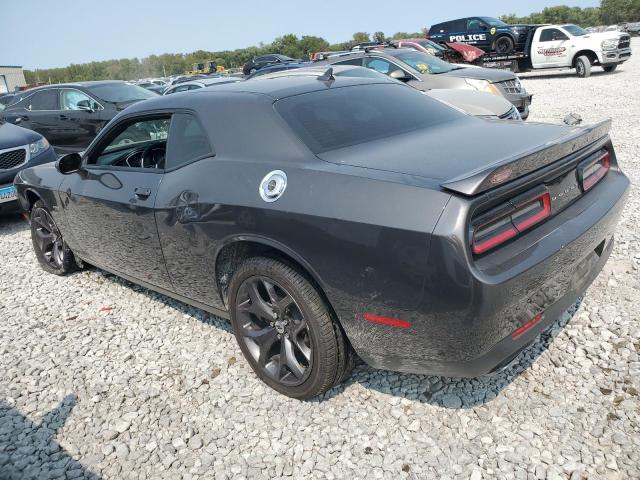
(73, 84)
(274, 88)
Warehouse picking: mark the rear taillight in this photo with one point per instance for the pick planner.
(592, 170)
(510, 220)
(428, 37)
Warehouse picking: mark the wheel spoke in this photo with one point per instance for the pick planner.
(303, 348)
(258, 306)
(288, 359)
(264, 338)
(43, 238)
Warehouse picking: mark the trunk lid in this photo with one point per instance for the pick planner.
(471, 155)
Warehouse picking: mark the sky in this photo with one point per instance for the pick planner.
(56, 33)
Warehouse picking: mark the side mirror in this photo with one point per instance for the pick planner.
(85, 105)
(484, 27)
(400, 75)
(69, 163)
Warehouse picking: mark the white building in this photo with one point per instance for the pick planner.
(10, 78)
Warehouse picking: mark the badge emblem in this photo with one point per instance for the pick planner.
(493, 30)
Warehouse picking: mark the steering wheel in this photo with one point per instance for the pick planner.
(148, 157)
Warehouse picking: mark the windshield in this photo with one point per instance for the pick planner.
(121, 92)
(575, 30)
(494, 22)
(423, 62)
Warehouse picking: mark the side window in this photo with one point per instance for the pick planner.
(457, 26)
(135, 144)
(474, 24)
(44, 100)
(187, 141)
(380, 65)
(193, 87)
(71, 99)
(352, 61)
(552, 34)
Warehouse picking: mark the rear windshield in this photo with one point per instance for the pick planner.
(342, 117)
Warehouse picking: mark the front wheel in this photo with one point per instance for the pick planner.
(610, 68)
(53, 254)
(285, 329)
(583, 67)
(504, 45)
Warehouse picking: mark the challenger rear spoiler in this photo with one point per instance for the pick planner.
(506, 170)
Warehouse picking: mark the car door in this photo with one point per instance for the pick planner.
(39, 112)
(109, 203)
(81, 118)
(182, 212)
(552, 49)
(479, 33)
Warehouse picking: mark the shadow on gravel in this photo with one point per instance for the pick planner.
(452, 392)
(30, 451)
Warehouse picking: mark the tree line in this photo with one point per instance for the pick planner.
(609, 12)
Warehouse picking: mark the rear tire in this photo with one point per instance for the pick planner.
(583, 66)
(286, 330)
(52, 252)
(610, 68)
(505, 45)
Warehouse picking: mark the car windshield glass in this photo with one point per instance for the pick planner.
(423, 62)
(575, 30)
(431, 46)
(121, 92)
(494, 22)
(342, 117)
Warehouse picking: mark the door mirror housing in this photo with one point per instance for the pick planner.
(85, 105)
(400, 75)
(70, 163)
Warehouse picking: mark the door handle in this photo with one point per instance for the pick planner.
(63, 117)
(142, 193)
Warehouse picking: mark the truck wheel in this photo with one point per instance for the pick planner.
(286, 330)
(504, 45)
(610, 68)
(583, 66)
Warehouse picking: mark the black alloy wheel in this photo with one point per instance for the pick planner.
(51, 250)
(274, 330)
(286, 329)
(504, 45)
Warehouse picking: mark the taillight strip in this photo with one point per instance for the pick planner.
(592, 177)
(518, 215)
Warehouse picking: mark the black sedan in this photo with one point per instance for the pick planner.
(19, 149)
(70, 115)
(343, 215)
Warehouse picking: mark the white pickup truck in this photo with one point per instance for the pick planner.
(566, 46)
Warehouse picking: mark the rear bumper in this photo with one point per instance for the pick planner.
(465, 322)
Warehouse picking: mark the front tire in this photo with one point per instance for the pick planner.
(505, 45)
(610, 68)
(583, 67)
(286, 330)
(52, 252)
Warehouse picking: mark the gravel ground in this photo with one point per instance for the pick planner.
(102, 379)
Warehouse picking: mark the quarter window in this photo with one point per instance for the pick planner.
(44, 100)
(187, 141)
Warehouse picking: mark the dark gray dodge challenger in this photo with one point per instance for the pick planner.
(334, 216)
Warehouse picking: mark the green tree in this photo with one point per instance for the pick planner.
(379, 37)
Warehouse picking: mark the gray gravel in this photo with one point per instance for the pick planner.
(102, 379)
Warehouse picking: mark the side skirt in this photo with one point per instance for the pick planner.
(202, 306)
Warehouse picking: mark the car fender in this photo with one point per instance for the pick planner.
(275, 244)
